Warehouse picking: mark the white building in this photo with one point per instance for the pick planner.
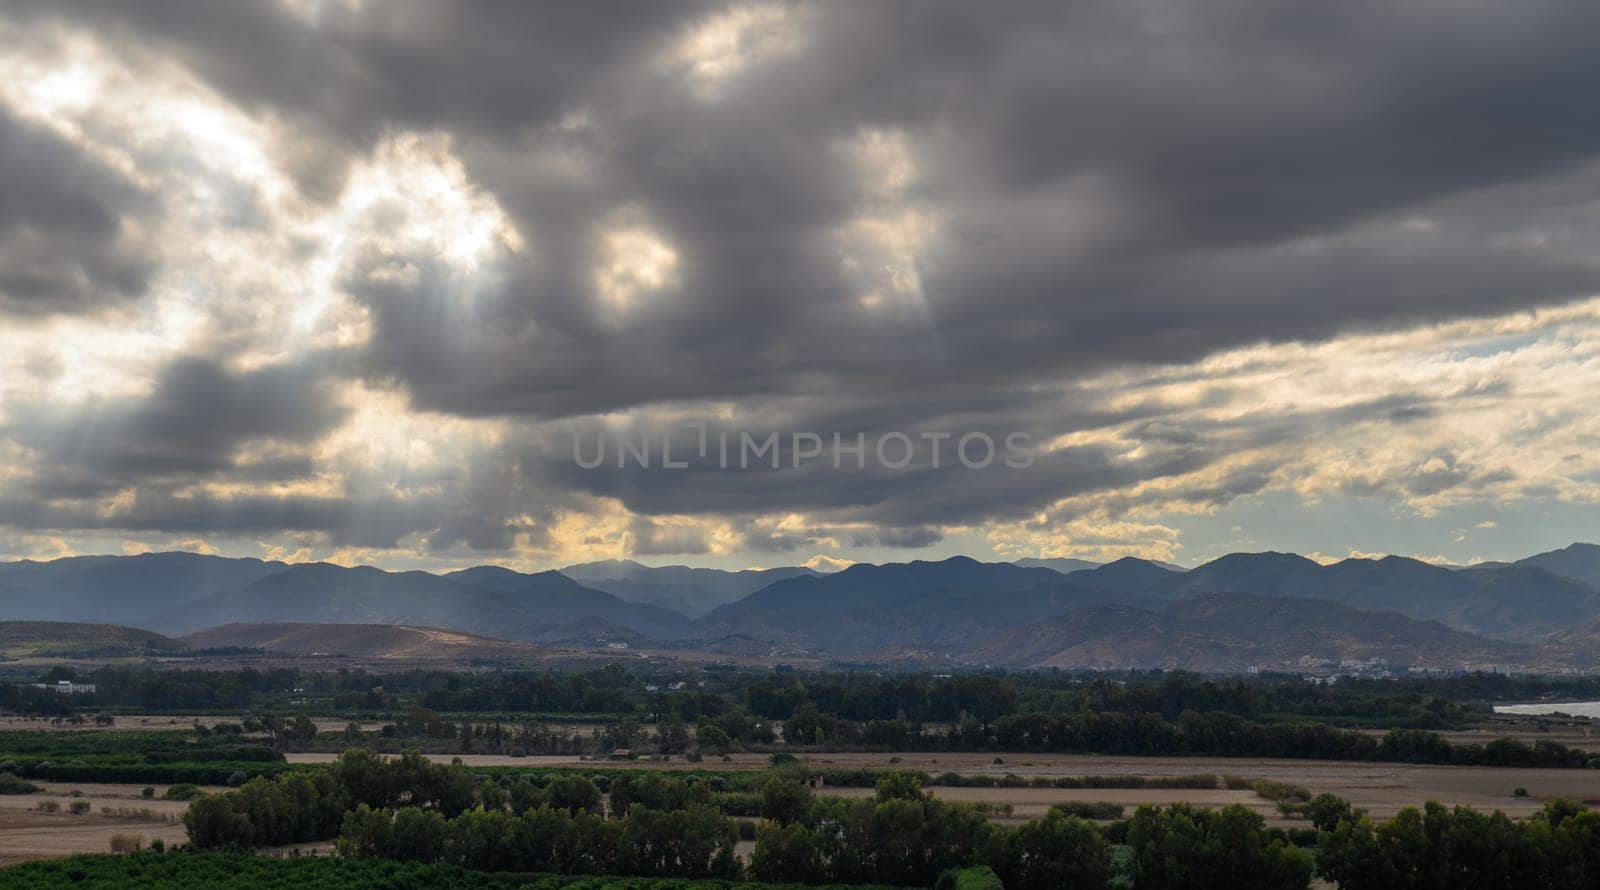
(66, 687)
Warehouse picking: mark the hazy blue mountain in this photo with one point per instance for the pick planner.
(1580, 562)
(335, 594)
(867, 607)
(1523, 600)
(1230, 632)
(119, 589)
(1063, 565)
(687, 591)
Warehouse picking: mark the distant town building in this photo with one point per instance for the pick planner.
(616, 645)
(66, 687)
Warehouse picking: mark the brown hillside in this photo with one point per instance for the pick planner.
(360, 641)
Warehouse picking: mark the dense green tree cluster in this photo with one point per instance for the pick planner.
(307, 805)
(1181, 847)
(1462, 849)
(697, 841)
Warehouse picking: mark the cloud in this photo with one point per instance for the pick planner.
(195, 423)
(374, 266)
(824, 563)
(68, 239)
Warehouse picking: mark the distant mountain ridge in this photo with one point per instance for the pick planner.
(947, 607)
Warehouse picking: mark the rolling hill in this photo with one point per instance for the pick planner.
(361, 641)
(22, 639)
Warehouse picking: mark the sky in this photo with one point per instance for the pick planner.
(370, 283)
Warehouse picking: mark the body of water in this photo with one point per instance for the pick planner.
(1575, 708)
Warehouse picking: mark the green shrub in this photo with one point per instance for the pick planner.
(10, 784)
(1281, 792)
(980, 877)
(182, 791)
(1091, 809)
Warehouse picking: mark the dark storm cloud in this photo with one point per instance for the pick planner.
(375, 520)
(1104, 185)
(63, 247)
(192, 426)
(1216, 137)
(911, 538)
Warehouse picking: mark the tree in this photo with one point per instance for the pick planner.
(785, 854)
(1181, 847)
(1326, 811)
(367, 833)
(785, 798)
(213, 823)
(900, 786)
(1058, 851)
(672, 736)
(573, 793)
(712, 739)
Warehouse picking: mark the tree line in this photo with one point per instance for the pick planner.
(411, 810)
(1216, 734)
(652, 693)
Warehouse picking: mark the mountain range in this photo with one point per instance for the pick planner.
(1233, 632)
(1058, 613)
